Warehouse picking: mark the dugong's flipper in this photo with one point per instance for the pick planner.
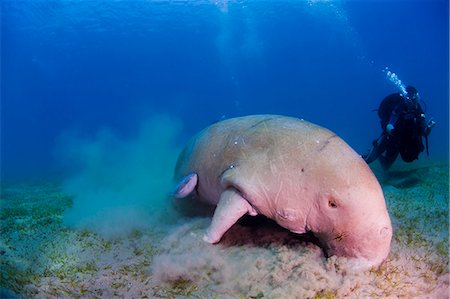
(186, 186)
(231, 207)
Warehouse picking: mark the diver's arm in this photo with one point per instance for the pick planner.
(392, 122)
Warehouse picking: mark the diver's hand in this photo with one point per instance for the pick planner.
(431, 123)
(390, 129)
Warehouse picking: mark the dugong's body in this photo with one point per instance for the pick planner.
(302, 176)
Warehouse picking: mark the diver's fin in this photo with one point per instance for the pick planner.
(231, 207)
(186, 186)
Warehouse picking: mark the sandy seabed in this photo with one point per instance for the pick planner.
(41, 258)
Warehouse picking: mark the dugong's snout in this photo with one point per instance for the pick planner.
(365, 247)
(351, 218)
(357, 226)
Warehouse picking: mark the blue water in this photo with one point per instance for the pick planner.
(85, 65)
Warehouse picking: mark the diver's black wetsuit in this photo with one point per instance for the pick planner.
(408, 120)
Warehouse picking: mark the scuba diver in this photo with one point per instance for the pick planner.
(403, 124)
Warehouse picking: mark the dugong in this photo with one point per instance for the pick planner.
(301, 175)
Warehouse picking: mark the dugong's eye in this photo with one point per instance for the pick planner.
(332, 203)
